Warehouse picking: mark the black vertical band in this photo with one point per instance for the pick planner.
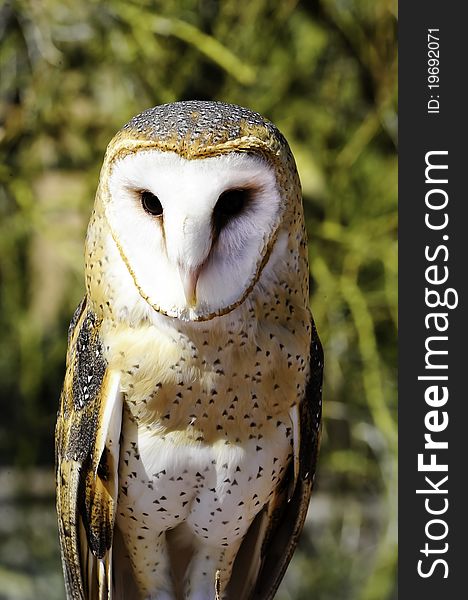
(433, 397)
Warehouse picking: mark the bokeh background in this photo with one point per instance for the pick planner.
(71, 74)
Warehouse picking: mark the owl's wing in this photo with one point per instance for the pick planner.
(87, 455)
(273, 536)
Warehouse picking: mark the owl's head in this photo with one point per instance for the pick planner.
(193, 196)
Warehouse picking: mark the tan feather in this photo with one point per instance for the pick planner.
(87, 451)
(287, 515)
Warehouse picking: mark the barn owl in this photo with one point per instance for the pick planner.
(189, 419)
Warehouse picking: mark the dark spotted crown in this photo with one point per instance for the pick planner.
(199, 120)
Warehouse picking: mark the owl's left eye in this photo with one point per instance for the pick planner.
(230, 204)
(151, 203)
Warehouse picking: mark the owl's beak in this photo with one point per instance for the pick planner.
(189, 279)
(189, 242)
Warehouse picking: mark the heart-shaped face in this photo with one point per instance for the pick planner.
(194, 234)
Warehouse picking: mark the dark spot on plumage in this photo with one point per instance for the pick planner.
(90, 364)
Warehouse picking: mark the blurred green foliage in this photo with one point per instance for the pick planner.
(71, 74)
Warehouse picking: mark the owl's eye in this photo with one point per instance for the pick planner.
(151, 203)
(230, 204)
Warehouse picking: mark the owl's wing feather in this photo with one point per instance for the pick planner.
(261, 566)
(87, 455)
